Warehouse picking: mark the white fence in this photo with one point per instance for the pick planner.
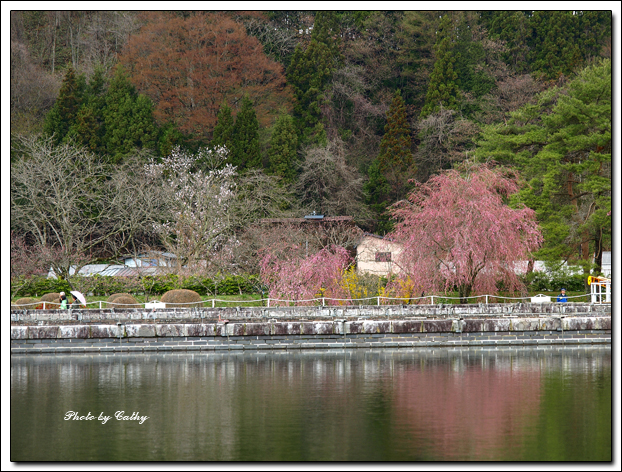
(324, 301)
(600, 291)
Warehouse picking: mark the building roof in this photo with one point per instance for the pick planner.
(306, 219)
(111, 270)
(151, 255)
(377, 236)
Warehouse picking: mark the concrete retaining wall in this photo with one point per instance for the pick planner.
(545, 330)
(258, 314)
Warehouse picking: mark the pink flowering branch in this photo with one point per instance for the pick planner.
(457, 232)
(308, 277)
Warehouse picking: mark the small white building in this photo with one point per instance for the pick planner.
(151, 259)
(606, 264)
(377, 255)
(109, 270)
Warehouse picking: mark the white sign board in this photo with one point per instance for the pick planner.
(540, 299)
(153, 305)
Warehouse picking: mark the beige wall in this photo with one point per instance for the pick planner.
(366, 256)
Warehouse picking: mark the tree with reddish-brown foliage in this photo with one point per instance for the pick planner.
(189, 65)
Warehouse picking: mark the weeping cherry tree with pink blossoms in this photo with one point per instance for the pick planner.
(293, 277)
(457, 232)
(198, 224)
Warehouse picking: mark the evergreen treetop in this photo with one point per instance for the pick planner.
(245, 150)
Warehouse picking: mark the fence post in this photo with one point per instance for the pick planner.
(323, 301)
(486, 299)
(100, 304)
(268, 302)
(378, 300)
(432, 296)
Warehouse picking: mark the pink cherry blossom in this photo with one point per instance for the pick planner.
(309, 277)
(458, 233)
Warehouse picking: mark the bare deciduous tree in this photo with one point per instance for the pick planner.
(328, 185)
(445, 139)
(64, 197)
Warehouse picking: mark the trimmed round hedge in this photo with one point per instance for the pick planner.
(28, 303)
(125, 301)
(114, 296)
(51, 300)
(182, 298)
(121, 300)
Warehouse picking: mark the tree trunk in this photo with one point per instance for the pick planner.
(464, 292)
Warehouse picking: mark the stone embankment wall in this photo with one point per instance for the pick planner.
(308, 313)
(571, 324)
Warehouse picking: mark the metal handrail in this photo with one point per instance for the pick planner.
(321, 299)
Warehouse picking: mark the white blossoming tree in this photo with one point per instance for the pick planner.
(199, 222)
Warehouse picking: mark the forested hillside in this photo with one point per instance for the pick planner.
(289, 112)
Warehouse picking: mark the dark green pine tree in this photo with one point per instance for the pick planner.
(88, 127)
(442, 88)
(561, 146)
(470, 58)
(513, 28)
(170, 137)
(283, 145)
(377, 196)
(593, 32)
(554, 49)
(128, 119)
(223, 131)
(395, 159)
(309, 72)
(395, 153)
(65, 109)
(561, 42)
(245, 150)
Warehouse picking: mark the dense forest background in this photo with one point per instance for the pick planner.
(343, 111)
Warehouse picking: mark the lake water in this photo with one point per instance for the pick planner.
(376, 405)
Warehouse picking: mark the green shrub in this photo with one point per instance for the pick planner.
(554, 281)
(38, 285)
(182, 298)
(99, 285)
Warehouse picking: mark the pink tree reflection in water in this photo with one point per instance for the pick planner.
(472, 413)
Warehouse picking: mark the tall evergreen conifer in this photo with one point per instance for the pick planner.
(223, 131)
(395, 159)
(245, 150)
(63, 113)
(395, 150)
(442, 88)
(128, 119)
(308, 74)
(88, 126)
(283, 144)
(377, 194)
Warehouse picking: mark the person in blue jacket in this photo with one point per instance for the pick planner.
(562, 296)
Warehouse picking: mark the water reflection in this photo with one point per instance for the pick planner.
(462, 404)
